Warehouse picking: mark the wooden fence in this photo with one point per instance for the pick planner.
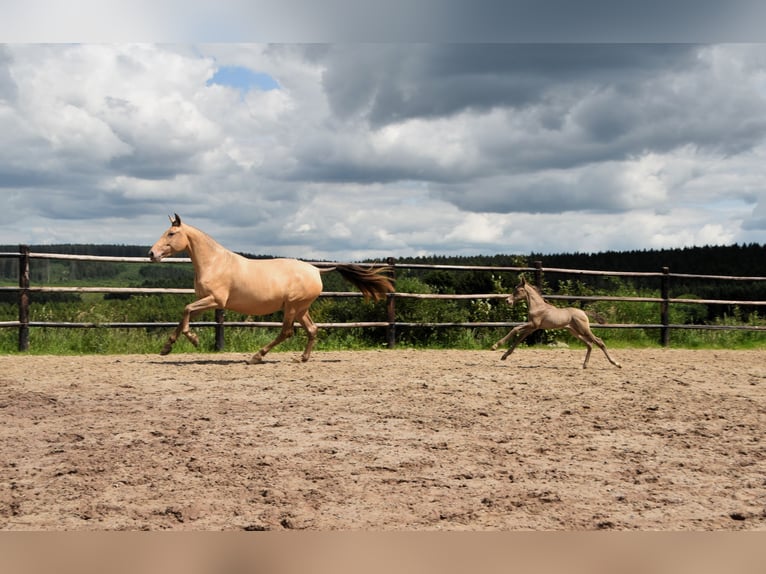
(664, 277)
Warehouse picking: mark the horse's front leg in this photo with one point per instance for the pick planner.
(509, 336)
(523, 331)
(504, 340)
(190, 310)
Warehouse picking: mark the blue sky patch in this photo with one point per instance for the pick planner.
(244, 79)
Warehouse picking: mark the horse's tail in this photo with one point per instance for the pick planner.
(372, 282)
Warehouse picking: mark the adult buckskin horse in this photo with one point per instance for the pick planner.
(543, 315)
(226, 280)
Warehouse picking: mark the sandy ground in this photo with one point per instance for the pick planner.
(385, 440)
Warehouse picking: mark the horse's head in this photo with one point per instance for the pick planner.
(519, 293)
(173, 241)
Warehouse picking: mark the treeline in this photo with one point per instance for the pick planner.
(733, 260)
(740, 260)
(747, 260)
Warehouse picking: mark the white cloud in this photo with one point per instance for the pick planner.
(478, 229)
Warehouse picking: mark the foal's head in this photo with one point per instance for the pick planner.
(519, 293)
(173, 241)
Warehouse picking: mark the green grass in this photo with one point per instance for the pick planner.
(60, 341)
(96, 308)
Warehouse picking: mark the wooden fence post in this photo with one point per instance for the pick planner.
(23, 297)
(391, 309)
(537, 337)
(539, 275)
(665, 307)
(219, 338)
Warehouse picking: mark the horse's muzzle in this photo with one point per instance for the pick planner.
(154, 258)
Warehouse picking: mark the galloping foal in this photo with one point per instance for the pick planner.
(226, 280)
(543, 315)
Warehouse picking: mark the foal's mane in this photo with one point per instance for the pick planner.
(527, 285)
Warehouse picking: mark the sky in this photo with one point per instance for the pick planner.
(378, 138)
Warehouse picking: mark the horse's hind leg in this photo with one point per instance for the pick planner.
(582, 332)
(286, 332)
(587, 354)
(586, 336)
(601, 344)
(311, 332)
(291, 314)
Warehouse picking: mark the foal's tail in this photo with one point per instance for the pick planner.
(372, 282)
(600, 319)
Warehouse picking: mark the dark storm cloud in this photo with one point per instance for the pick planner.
(344, 21)
(572, 103)
(597, 21)
(595, 189)
(153, 164)
(387, 84)
(26, 178)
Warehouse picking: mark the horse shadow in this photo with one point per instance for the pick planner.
(544, 367)
(223, 362)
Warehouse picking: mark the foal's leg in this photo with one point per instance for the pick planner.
(523, 331)
(602, 346)
(190, 310)
(508, 337)
(583, 332)
(505, 339)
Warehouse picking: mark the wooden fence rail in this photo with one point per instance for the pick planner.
(25, 289)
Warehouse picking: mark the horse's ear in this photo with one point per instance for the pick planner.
(175, 222)
(523, 280)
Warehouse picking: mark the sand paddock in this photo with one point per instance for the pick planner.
(385, 440)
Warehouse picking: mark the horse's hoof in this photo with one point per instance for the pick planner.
(166, 350)
(255, 359)
(493, 348)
